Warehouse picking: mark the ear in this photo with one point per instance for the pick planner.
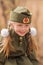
(33, 31)
(4, 32)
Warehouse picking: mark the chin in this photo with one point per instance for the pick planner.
(22, 34)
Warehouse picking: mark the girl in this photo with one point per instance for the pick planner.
(18, 47)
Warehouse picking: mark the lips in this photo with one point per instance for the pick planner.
(21, 32)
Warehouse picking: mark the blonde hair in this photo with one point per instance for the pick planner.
(31, 45)
(6, 46)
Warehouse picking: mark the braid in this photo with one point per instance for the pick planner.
(29, 43)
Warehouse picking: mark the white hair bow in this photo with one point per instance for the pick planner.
(33, 31)
(5, 32)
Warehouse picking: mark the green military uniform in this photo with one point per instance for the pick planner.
(20, 56)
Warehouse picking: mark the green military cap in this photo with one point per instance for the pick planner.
(21, 15)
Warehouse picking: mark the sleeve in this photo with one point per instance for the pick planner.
(2, 58)
(33, 59)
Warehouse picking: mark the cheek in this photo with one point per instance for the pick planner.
(16, 28)
(27, 28)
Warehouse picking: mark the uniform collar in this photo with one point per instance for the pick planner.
(15, 36)
(18, 37)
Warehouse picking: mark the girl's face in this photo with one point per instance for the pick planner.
(20, 28)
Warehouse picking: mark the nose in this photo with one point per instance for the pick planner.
(23, 28)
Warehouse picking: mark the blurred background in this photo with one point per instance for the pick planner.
(36, 8)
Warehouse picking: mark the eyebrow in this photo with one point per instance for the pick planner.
(22, 24)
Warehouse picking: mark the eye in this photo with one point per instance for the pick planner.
(26, 25)
(19, 25)
(11, 24)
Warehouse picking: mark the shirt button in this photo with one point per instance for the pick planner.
(20, 43)
(20, 38)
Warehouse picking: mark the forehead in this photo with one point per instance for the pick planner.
(17, 23)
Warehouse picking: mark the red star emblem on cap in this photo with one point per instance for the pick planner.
(26, 20)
